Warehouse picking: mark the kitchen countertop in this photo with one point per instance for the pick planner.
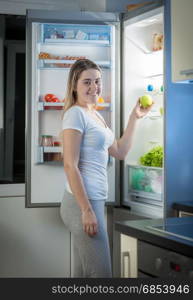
(186, 206)
(140, 230)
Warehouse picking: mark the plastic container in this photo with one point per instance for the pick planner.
(145, 180)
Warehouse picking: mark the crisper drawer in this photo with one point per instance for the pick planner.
(145, 181)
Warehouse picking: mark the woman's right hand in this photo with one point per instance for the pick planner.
(89, 222)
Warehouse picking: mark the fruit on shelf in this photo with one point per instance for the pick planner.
(153, 158)
(51, 98)
(146, 101)
(45, 55)
(55, 99)
(100, 101)
(57, 143)
(158, 41)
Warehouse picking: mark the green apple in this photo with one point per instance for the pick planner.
(146, 101)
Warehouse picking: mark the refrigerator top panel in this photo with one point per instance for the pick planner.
(73, 17)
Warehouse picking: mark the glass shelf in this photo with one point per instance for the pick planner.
(76, 33)
(50, 106)
(65, 64)
(59, 106)
(60, 41)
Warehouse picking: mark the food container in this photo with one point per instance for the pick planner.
(145, 181)
(57, 156)
(46, 141)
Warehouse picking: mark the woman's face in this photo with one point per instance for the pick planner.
(88, 87)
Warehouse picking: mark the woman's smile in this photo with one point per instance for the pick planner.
(88, 87)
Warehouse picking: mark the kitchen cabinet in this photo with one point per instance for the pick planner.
(128, 256)
(163, 247)
(119, 215)
(184, 214)
(182, 41)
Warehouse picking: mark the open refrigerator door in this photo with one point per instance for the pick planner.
(143, 74)
(53, 46)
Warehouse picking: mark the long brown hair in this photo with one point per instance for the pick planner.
(77, 68)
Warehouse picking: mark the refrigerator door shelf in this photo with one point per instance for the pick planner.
(143, 48)
(154, 115)
(64, 64)
(59, 106)
(146, 34)
(74, 41)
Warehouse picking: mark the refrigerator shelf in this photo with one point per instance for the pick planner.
(61, 41)
(48, 154)
(140, 195)
(52, 149)
(59, 106)
(51, 106)
(57, 63)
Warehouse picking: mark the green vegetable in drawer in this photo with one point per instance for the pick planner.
(153, 158)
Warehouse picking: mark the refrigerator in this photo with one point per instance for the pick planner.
(129, 50)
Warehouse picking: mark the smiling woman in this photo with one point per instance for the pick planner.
(87, 144)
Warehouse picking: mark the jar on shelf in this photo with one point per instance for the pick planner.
(46, 141)
(57, 156)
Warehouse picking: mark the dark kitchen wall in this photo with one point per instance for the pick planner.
(178, 131)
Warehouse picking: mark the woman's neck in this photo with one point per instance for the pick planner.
(88, 107)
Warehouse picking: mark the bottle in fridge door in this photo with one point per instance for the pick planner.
(54, 43)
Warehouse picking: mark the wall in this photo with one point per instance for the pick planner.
(178, 132)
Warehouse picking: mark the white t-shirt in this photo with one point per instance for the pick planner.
(94, 155)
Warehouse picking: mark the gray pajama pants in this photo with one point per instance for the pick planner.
(91, 254)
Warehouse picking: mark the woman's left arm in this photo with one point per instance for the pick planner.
(120, 147)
